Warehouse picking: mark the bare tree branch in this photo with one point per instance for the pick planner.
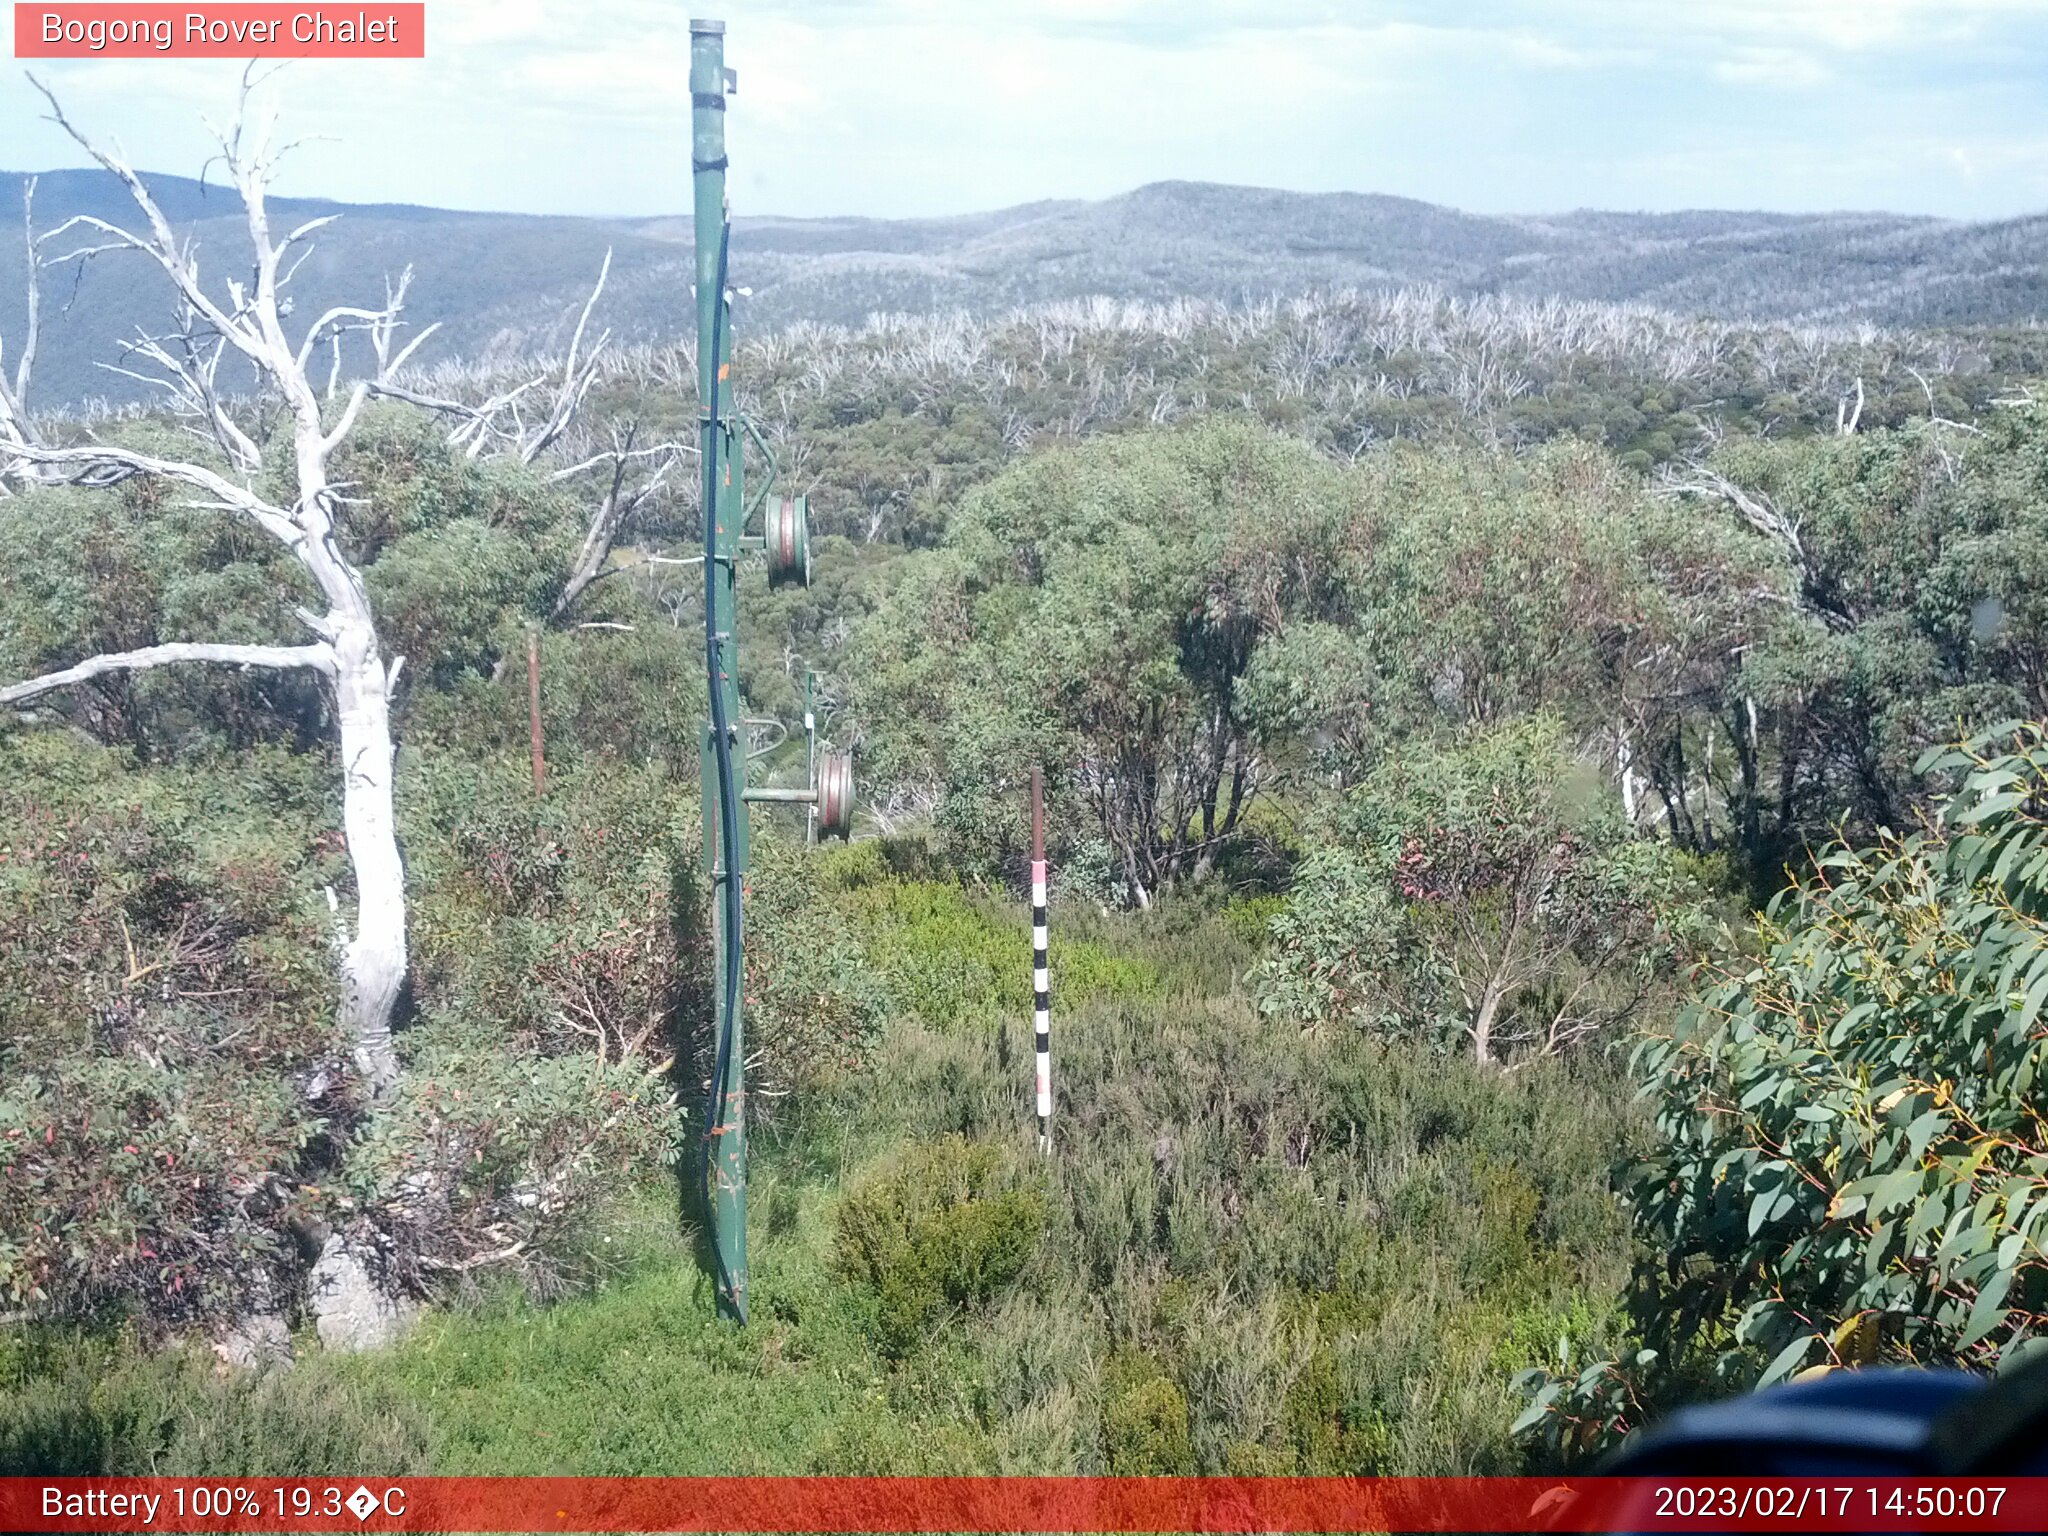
(614, 511)
(318, 657)
(1765, 517)
(96, 466)
(501, 419)
(163, 246)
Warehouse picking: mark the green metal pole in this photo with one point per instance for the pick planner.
(723, 761)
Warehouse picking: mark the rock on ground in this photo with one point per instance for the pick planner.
(350, 1310)
(256, 1342)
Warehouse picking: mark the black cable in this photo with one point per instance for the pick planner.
(728, 798)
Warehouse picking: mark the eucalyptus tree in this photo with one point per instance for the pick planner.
(1097, 608)
(1909, 568)
(1848, 1165)
(1484, 891)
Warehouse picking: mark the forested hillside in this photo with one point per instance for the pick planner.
(1547, 913)
(503, 284)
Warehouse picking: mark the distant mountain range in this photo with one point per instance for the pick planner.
(507, 283)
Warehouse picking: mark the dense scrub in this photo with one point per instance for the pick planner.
(1251, 1250)
(184, 1130)
(1266, 1252)
(166, 1022)
(1486, 890)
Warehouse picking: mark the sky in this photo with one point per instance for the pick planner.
(895, 108)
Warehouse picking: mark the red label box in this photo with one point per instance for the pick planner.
(106, 29)
(1247, 1506)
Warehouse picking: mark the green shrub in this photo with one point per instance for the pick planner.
(555, 922)
(76, 1405)
(166, 992)
(1250, 919)
(1144, 1420)
(1484, 892)
(943, 1227)
(1284, 1224)
(955, 964)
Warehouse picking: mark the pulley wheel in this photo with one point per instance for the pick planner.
(789, 542)
(835, 796)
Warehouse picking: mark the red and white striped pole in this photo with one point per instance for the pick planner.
(1041, 977)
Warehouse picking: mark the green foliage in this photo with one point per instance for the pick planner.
(1094, 609)
(1183, 618)
(554, 921)
(163, 1001)
(1846, 1122)
(480, 1143)
(632, 1373)
(956, 963)
(1920, 584)
(818, 995)
(946, 1226)
(1252, 1250)
(444, 595)
(456, 555)
(1548, 583)
(637, 1372)
(90, 572)
(1335, 1251)
(1485, 890)
(1144, 1420)
(77, 1405)
(1356, 709)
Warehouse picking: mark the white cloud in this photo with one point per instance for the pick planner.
(1842, 24)
(1779, 68)
(901, 106)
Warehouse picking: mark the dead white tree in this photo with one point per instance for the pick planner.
(244, 317)
(14, 417)
(1766, 518)
(621, 499)
(530, 416)
(527, 418)
(1847, 416)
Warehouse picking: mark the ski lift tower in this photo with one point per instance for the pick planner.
(727, 745)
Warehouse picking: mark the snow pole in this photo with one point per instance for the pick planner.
(1041, 975)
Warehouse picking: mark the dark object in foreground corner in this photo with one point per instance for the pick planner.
(1856, 1424)
(1848, 1423)
(1875, 1423)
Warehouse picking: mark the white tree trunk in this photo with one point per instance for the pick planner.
(374, 957)
(1481, 1028)
(1625, 770)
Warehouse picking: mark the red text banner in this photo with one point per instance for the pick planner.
(107, 29)
(1024, 1504)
